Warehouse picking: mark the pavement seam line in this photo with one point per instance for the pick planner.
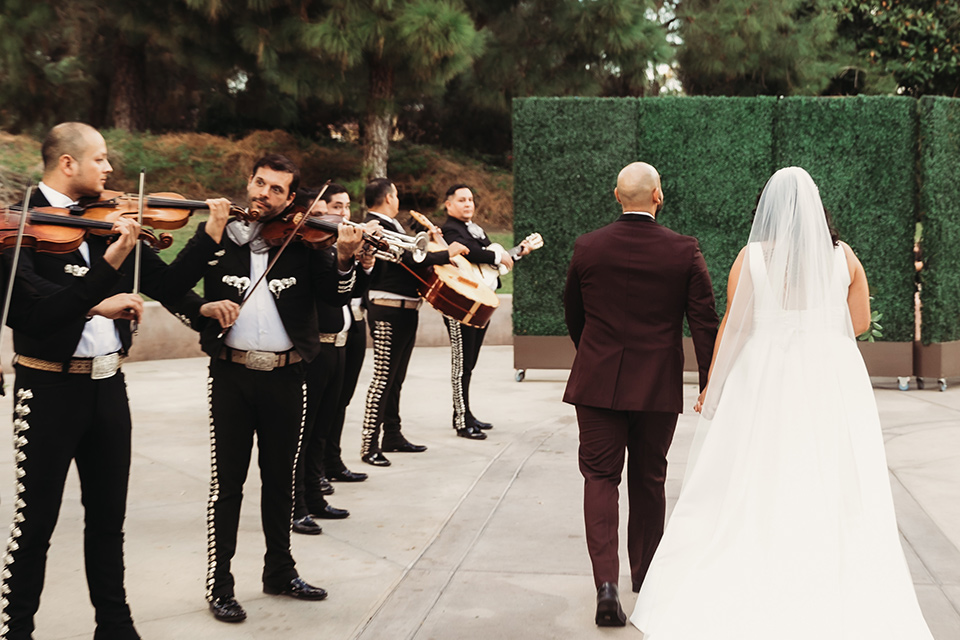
(378, 607)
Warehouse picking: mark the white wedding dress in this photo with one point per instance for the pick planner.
(785, 528)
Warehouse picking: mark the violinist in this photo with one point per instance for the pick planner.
(258, 358)
(70, 316)
(325, 376)
(394, 316)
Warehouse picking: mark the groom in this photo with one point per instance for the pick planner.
(629, 286)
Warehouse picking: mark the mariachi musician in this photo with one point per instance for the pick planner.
(393, 315)
(465, 340)
(258, 357)
(70, 315)
(325, 375)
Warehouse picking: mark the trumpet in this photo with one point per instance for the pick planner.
(391, 245)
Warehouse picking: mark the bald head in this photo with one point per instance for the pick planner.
(638, 188)
(67, 138)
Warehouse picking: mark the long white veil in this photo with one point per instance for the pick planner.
(796, 281)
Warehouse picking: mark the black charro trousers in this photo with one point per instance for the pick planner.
(272, 405)
(465, 343)
(354, 352)
(59, 418)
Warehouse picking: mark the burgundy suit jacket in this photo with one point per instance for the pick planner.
(629, 286)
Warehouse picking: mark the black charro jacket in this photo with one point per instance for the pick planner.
(300, 280)
(53, 293)
(397, 278)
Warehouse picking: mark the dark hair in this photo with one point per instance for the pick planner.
(279, 162)
(376, 191)
(834, 234)
(460, 185)
(305, 197)
(332, 189)
(67, 138)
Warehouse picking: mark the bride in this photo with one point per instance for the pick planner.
(785, 529)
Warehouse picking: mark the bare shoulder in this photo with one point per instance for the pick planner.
(853, 262)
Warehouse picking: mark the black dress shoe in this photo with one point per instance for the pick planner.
(227, 609)
(376, 458)
(479, 424)
(330, 513)
(609, 612)
(307, 526)
(325, 487)
(471, 432)
(399, 443)
(347, 476)
(297, 588)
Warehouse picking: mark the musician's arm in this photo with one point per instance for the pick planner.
(331, 286)
(40, 307)
(170, 282)
(478, 253)
(187, 310)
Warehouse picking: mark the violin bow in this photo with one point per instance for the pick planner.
(134, 325)
(273, 260)
(13, 271)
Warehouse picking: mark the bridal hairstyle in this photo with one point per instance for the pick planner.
(797, 277)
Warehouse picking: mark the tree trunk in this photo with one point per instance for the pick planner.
(129, 88)
(378, 122)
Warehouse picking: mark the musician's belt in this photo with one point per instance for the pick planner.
(394, 302)
(336, 339)
(98, 368)
(260, 360)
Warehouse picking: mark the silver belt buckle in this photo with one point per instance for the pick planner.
(103, 367)
(341, 339)
(261, 360)
(357, 313)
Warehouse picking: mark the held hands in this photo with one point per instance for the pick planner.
(349, 240)
(122, 306)
(119, 249)
(223, 311)
(219, 213)
(457, 249)
(698, 407)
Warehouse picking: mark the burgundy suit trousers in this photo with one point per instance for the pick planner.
(605, 437)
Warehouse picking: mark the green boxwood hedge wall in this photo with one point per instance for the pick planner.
(940, 216)
(862, 153)
(715, 155)
(567, 153)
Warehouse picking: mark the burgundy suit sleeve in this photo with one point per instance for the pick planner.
(701, 314)
(573, 312)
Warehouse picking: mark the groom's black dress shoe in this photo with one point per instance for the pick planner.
(609, 612)
(297, 588)
(227, 609)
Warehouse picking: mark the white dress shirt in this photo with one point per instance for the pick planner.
(100, 335)
(259, 327)
(640, 213)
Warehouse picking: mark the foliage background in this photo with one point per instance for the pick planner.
(715, 156)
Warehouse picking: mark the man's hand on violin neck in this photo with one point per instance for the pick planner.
(349, 240)
(122, 306)
(223, 311)
(128, 233)
(219, 213)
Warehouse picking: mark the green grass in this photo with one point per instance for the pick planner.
(505, 239)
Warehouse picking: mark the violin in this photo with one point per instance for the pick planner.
(55, 230)
(166, 211)
(318, 232)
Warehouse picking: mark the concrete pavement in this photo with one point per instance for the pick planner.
(470, 540)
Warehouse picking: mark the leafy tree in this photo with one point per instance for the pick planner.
(760, 47)
(917, 42)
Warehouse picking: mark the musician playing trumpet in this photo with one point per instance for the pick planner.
(393, 316)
